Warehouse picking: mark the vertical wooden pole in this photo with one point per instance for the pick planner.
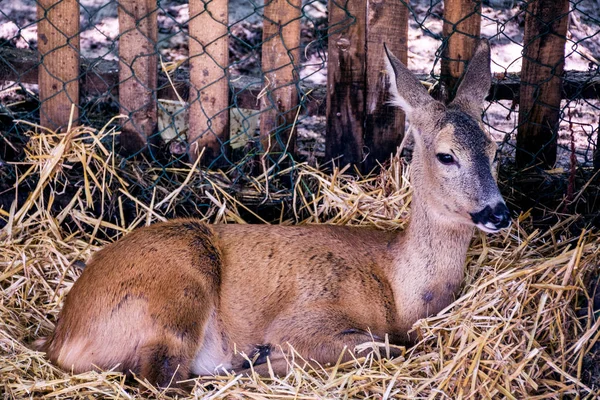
(546, 24)
(346, 81)
(280, 56)
(209, 87)
(387, 22)
(58, 44)
(361, 128)
(462, 28)
(138, 69)
(596, 160)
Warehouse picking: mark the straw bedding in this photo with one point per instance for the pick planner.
(522, 327)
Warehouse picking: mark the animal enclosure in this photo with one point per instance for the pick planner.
(232, 111)
(249, 81)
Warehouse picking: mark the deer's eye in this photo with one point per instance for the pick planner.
(446, 159)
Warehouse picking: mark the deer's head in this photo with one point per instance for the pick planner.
(453, 156)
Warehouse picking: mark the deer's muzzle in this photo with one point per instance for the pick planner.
(492, 219)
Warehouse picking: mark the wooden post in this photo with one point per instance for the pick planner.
(209, 87)
(387, 22)
(58, 44)
(462, 28)
(361, 128)
(138, 70)
(346, 83)
(541, 84)
(596, 160)
(280, 57)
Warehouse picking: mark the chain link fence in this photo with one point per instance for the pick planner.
(291, 113)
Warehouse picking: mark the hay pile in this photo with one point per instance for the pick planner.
(521, 328)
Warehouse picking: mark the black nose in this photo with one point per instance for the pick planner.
(498, 217)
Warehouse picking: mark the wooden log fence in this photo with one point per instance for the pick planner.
(208, 96)
(544, 40)
(387, 21)
(280, 61)
(346, 86)
(58, 46)
(361, 129)
(138, 71)
(461, 29)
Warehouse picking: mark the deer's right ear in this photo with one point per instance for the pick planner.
(405, 89)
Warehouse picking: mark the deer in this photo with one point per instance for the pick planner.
(183, 298)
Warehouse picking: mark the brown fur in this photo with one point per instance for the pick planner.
(180, 297)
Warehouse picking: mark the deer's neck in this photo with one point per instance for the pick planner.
(428, 266)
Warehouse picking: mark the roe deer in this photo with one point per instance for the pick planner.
(178, 298)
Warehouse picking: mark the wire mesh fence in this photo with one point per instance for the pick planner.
(247, 80)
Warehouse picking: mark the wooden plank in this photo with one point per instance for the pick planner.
(346, 81)
(543, 63)
(387, 22)
(138, 70)
(209, 88)
(280, 58)
(58, 44)
(462, 28)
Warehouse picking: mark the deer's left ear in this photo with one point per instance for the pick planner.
(476, 81)
(405, 89)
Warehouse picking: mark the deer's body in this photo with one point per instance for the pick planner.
(181, 297)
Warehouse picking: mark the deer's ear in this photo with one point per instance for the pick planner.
(405, 89)
(476, 81)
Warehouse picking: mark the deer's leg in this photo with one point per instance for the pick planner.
(280, 363)
(167, 360)
(167, 357)
(318, 335)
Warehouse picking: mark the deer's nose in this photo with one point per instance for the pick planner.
(500, 216)
(493, 219)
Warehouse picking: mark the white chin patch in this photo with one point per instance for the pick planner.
(489, 228)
